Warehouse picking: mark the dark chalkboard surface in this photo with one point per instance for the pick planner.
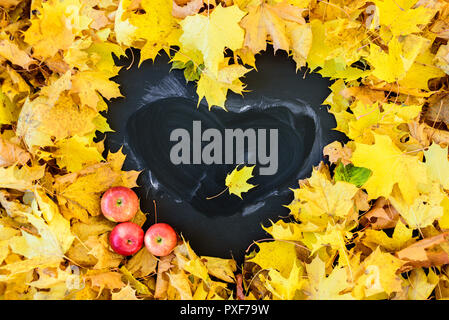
(158, 101)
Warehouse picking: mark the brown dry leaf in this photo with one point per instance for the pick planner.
(381, 216)
(336, 151)
(425, 253)
(239, 282)
(11, 153)
(438, 110)
(426, 134)
(182, 9)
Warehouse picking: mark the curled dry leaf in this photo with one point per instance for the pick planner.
(381, 216)
(426, 134)
(336, 151)
(182, 8)
(425, 253)
(239, 284)
(11, 153)
(438, 110)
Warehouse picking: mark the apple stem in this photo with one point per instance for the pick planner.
(217, 195)
(155, 211)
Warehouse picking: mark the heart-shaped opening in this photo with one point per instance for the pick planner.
(149, 130)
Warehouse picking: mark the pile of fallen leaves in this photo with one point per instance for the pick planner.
(375, 225)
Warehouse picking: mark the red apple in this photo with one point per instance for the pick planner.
(160, 239)
(126, 238)
(119, 204)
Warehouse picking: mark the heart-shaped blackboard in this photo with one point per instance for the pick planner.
(158, 101)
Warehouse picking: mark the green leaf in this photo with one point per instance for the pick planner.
(349, 173)
(178, 65)
(191, 72)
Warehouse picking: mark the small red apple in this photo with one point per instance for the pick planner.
(126, 238)
(160, 239)
(119, 204)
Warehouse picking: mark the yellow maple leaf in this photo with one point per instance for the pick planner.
(281, 230)
(86, 84)
(215, 89)
(283, 24)
(125, 293)
(190, 262)
(124, 30)
(319, 200)
(443, 222)
(276, 255)
(54, 235)
(422, 70)
(286, 288)
(39, 121)
(424, 210)
(236, 181)
(380, 274)
(17, 268)
(335, 45)
(420, 285)
(157, 27)
(55, 27)
(9, 50)
(401, 238)
(100, 55)
(379, 118)
(320, 287)
(438, 164)
(22, 178)
(212, 34)
(222, 269)
(401, 17)
(56, 282)
(389, 166)
(73, 153)
(101, 251)
(181, 283)
(8, 110)
(100, 279)
(141, 288)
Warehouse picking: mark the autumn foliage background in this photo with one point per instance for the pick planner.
(372, 226)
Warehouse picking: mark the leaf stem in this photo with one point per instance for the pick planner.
(217, 195)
